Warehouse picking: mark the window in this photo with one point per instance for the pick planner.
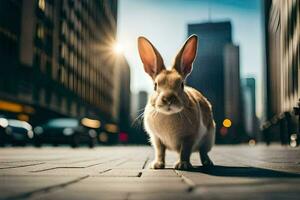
(64, 51)
(40, 31)
(42, 5)
(64, 28)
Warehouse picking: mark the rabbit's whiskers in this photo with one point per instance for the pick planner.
(138, 118)
(180, 115)
(154, 113)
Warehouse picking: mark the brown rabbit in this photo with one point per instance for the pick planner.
(176, 117)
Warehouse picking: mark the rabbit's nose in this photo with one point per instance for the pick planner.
(168, 99)
(164, 99)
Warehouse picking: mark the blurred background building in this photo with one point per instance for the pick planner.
(57, 61)
(251, 122)
(139, 101)
(233, 98)
(216, 74)
(282, 41)
(124, 98)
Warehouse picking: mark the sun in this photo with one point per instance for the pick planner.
(118, 48)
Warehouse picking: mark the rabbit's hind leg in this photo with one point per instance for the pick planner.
(206, 161)
(206, 146)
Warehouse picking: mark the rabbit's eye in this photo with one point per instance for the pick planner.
(182, 85)
(155, 86)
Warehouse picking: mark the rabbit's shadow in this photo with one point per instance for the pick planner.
(233, 171)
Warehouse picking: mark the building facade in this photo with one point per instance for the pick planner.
(249, 110)
(282, 45)
(124, 110)
(216, 74)
(282, 37)
(139, 101)
(61, 62)
(232, 91)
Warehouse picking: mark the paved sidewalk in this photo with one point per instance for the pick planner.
(241, 172)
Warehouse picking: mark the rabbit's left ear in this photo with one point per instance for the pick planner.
(186, 56)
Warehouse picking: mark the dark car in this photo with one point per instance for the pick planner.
(65, 131)
(15, 132)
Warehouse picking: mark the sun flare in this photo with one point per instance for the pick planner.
(118, 48)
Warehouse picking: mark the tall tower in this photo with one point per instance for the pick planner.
(215, 53)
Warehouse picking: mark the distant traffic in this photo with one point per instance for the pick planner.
(74, 132)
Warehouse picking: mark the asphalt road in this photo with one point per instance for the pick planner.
(241, 172)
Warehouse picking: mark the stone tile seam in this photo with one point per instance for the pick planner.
(145, 163)
(19, 166)
(189, 182)
(48, 169)
(46, 189)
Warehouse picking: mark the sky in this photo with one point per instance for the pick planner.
(164, 23)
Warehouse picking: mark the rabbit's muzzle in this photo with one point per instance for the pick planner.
(168, 103)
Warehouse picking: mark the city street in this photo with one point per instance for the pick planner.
(241, 172)
(85, 85)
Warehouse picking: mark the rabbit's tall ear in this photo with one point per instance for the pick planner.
(186, 56)
(152, 60)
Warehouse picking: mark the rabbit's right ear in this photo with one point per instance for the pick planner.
(186, 56)
(152, 60)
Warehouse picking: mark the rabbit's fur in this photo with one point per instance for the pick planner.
(176, 117)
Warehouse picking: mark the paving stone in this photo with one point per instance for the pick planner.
(276, 190)
(12, 186)
(120, 172)
(162, 179)
(165, 196)
(159, 173)
(126, 185)
(80, 195)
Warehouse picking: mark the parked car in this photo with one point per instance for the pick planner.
(65, 131)
(15, 132)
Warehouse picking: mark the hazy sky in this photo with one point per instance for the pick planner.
(164, 22)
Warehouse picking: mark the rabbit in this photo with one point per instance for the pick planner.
(176, 117)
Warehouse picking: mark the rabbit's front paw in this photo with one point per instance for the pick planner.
(157, 165)
(183, 165)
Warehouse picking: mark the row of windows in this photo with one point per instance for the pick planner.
(81, 19)
(75, 50)
(46, 7)
(63, 103)
(77, 69)
(284, 55)
(72, 83)
(44, 36)
(84, 88)
(291, 20)
(79, 66)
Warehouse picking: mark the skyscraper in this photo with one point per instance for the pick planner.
(232, 89)
(249, 111)
(282, 42)
(216, 73)
(282, 55)
(139, 101)
(58, 58)
(124, 94)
